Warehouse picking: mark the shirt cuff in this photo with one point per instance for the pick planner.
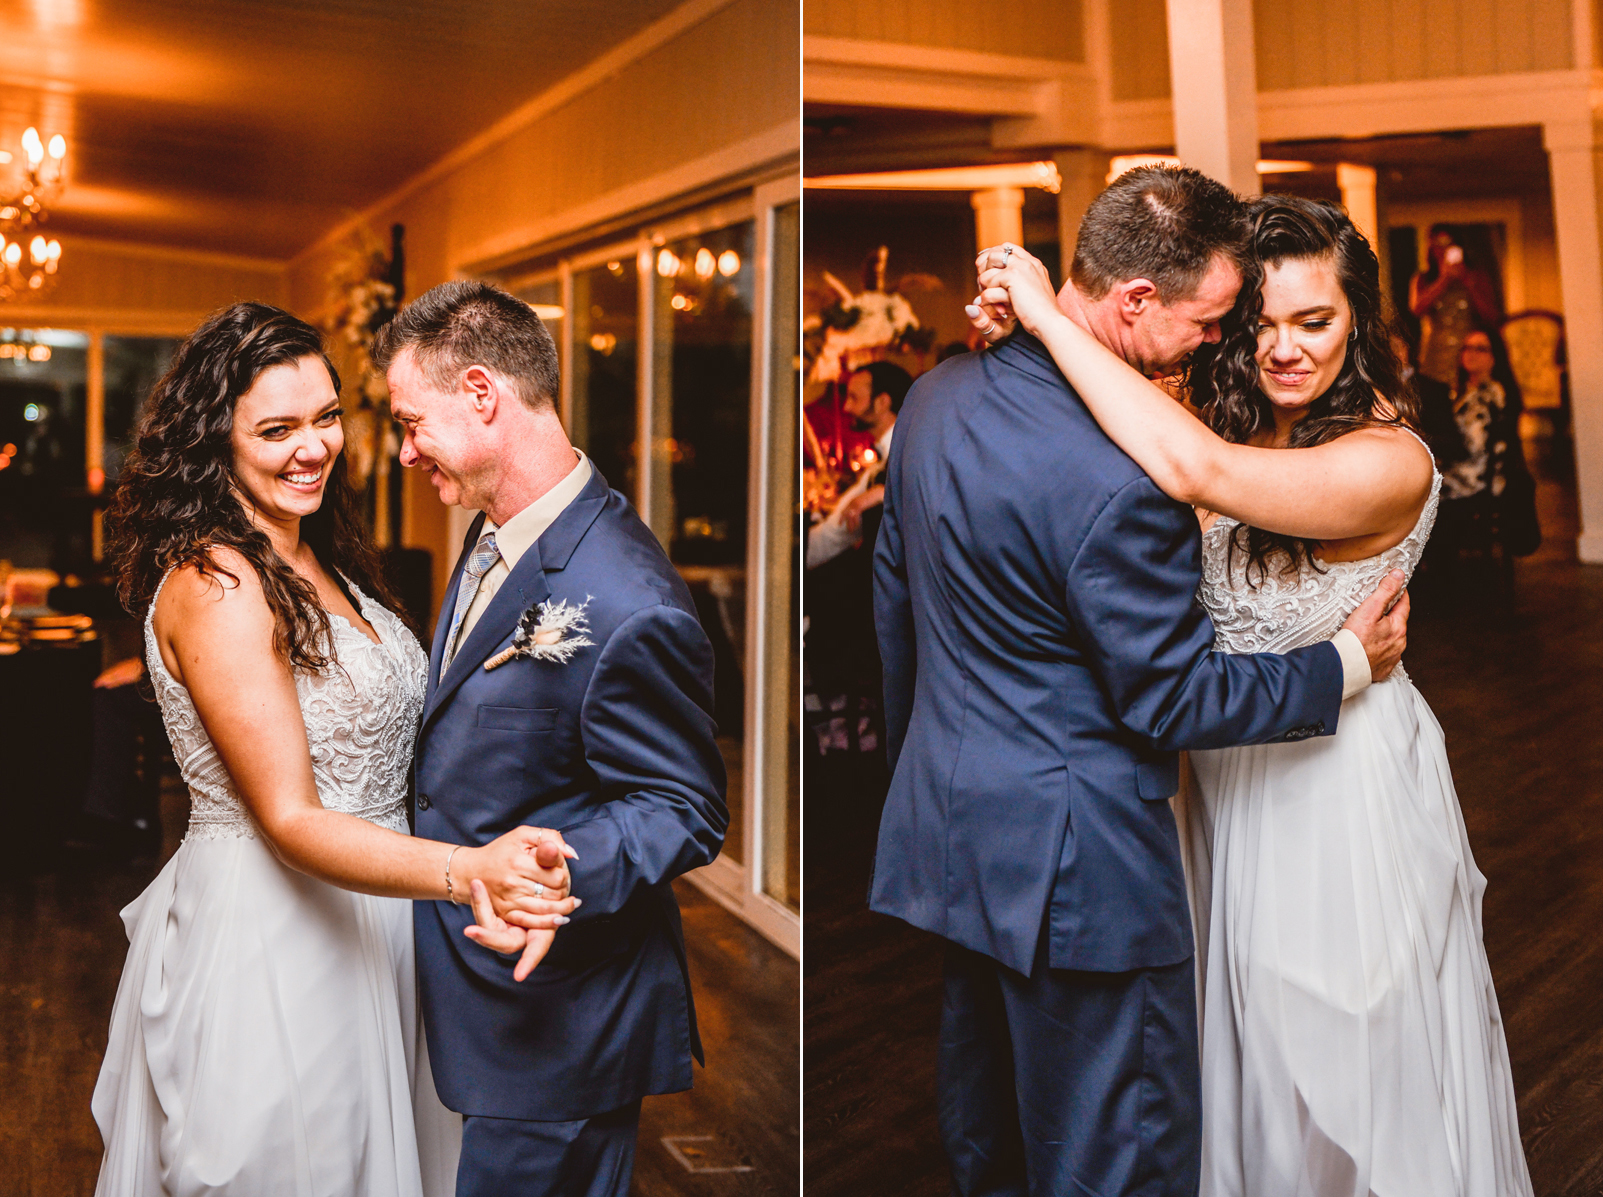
(1355, 676)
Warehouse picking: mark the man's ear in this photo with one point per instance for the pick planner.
(482, 391)
(1134, 297)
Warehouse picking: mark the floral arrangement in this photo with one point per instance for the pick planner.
(362, 300)
(857, 328)
(363, 297)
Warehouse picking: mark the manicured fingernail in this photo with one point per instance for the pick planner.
(973, 312)
(560, 920)
(578, 902)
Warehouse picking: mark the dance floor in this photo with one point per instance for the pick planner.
(735, 1133)
(1519, 690)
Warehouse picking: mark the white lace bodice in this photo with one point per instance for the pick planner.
(1288, 611)
(361, 717)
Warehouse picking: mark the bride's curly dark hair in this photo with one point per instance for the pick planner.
(179, 498)
(1369, 391)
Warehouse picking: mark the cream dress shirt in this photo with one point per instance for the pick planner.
(515, 537)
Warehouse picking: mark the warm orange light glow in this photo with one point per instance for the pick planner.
(705, 263)
(668, 263)
(728, 263)
(9, 450)
(955, 178)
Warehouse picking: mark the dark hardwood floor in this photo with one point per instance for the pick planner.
(62, 948)
(1517, 686)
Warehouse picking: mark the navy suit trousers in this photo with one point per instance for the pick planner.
(1068, 1083)
(587, 1157)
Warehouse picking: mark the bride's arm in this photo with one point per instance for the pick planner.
(1365, 483)
(220, 634)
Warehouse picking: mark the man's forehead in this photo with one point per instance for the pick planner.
(1216, 294)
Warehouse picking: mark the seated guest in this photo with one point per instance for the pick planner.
(122, 799)
(873, 398)
(842, 656)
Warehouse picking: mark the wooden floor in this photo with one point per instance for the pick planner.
(1519, 692)
(62, 948)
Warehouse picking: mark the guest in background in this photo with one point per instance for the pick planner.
(842, 654)
(1479, 408)
(1488, 499)
(873, 399)
(1436, 417)
(1454, 295)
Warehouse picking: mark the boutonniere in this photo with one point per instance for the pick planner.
(550, 631)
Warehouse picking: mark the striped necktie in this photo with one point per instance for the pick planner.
(483, 556)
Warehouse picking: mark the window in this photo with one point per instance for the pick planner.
(680, 382)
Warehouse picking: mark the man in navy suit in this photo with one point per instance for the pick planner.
(1045, 658)
(599, 727)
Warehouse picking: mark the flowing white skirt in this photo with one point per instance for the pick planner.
(266, 1040)
(1351, 1041)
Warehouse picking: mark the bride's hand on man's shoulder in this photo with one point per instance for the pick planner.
(1014, 287)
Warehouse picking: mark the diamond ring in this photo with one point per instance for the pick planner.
(539, 889)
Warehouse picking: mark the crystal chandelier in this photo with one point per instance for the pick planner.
(28, 261)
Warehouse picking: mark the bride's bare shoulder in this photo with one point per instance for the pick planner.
(226, 588)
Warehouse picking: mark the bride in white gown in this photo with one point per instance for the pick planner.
(1351, 1040)
(265, 1037)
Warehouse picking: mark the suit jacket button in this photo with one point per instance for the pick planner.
(423, 801)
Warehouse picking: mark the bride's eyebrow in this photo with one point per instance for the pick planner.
(1321, 310)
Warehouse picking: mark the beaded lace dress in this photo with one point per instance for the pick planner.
(1351, 1040)
(361, 722)
(265, 1037)
(1283, 612)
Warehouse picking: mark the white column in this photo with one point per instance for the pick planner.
(1357, 185)
(1573, 160)
(1214, 76)
(998, 216)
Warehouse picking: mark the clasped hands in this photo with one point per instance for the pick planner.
(519, 888)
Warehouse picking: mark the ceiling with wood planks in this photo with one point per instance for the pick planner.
(254, 126)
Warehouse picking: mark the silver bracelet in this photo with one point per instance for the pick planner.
(449, 892)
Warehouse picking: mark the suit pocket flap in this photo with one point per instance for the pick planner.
(518, 719)
(1156, 781)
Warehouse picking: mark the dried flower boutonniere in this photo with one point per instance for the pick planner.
(551, 631)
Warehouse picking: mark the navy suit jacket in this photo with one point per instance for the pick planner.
(616, 750)
(1045, 657)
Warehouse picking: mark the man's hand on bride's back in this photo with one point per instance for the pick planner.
(1381, 625)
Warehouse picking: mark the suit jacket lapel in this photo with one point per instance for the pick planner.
(525, 587)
